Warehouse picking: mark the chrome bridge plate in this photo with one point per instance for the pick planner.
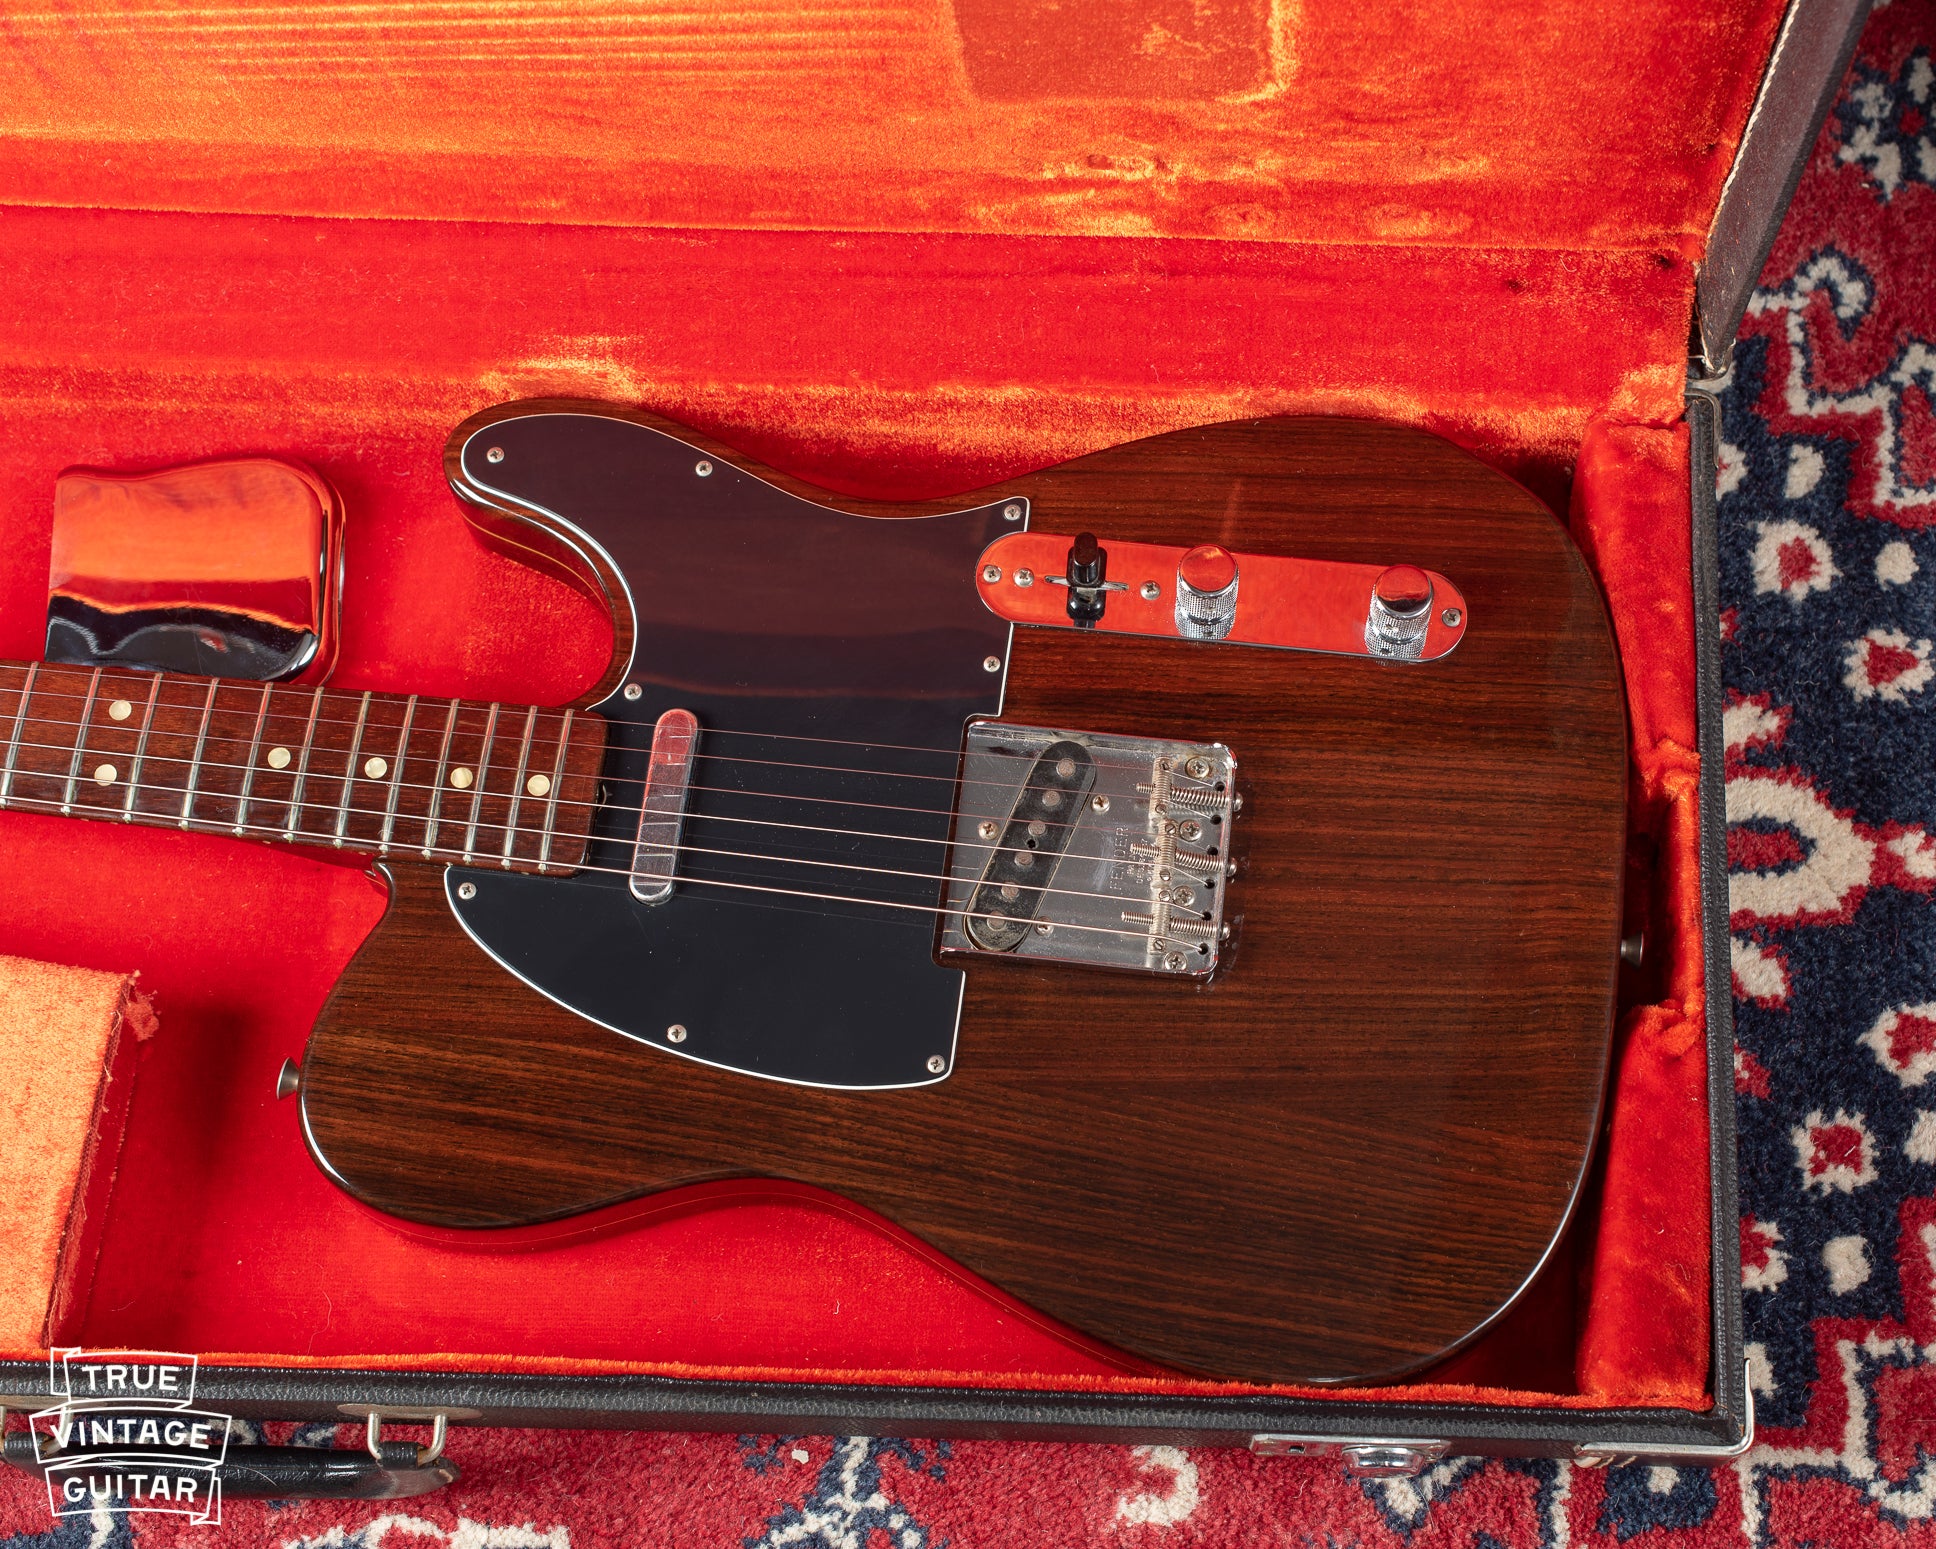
(1084, 847)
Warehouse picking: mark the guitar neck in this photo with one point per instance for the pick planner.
(437, 779)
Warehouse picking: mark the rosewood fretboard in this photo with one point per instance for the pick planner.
(440, 779)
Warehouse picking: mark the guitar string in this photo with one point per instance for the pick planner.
(521, 831)
(567, 873)
(475, 707)
(884, 903)
(45, 690)
(478, 707)
(83, 780)
(275, 830)
(428, 729)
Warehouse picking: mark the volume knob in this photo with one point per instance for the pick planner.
(1206, 592)
(1401, 609)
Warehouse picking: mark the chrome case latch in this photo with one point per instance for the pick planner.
(1364, 1459)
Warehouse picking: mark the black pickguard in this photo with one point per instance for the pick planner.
(772, 619)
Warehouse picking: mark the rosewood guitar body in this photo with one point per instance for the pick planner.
(1337, 1160)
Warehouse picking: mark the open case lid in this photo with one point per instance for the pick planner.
(1540, 177)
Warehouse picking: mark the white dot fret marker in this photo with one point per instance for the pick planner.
(278, 758)
(120, 710)
(104, 774)
(376, 768)
(539, 785)
(461, 778)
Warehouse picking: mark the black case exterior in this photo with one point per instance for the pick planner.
(1810, 58)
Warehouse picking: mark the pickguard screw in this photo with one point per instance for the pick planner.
(676, 1033)
(495, 455)
(1198, 769)
(1011, 513)
(1151, 591)
(1099, 803)
(1174, 962)
(1025, 577)
(991, 573)
(702, 468)
(1451, 616)
(988, 830)
(991, 664)
(1043, 927)
(1190, 828)
(937, 1064)
(467, 890)
(633, 691)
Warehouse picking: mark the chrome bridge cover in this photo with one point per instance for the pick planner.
(1084, 847)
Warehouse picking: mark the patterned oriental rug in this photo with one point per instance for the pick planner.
(1828, 491)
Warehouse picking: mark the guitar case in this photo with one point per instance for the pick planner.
(896, 258)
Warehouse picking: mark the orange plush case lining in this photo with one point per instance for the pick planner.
(900, 254)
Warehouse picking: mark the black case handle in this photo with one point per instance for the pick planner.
(389, 1472)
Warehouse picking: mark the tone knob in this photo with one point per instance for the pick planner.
(1206, 592)
(1401, 609)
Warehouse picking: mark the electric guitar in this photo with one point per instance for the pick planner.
(1181, 886)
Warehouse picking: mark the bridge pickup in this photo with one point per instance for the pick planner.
(1022, 863)
(1084, 847)
(662, 814)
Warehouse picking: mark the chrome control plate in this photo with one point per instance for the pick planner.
(1213, 595)
(1138, 878)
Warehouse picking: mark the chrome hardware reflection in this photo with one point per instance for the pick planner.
(1401, 612)
(1206, 592)
(227, 568)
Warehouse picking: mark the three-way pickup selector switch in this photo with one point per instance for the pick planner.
(1206, 592)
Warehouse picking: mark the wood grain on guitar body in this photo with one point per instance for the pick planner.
(1245, 1008)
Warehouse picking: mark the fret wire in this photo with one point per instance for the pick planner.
(302, 763)
(437, 785)
(477, 784)
(140, 750)
(551, 804)
(195, 764)
(255, 748)
(517, 785)
(19, 722)
(349, 770)
(396, 775)
(80, 741)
